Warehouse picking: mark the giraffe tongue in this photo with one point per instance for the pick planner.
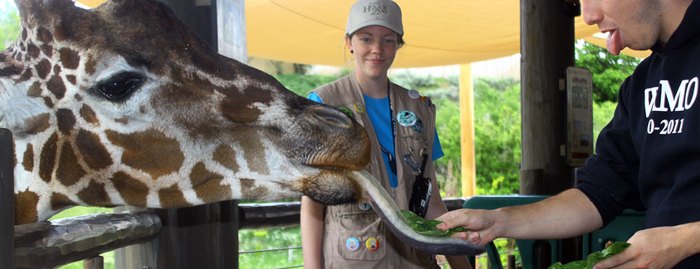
(390, 213)
(614, 42)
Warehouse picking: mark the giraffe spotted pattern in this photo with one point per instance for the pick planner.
(124, 105)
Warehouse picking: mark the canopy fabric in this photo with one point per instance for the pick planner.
(437, 32)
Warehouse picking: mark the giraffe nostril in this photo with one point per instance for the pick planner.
(331, 116)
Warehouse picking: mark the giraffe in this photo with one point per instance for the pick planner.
(124, 105)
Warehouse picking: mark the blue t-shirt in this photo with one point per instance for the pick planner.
(379, 115)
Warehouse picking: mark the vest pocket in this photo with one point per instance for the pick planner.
(361, 237)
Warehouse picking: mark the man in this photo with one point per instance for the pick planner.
(647, 158)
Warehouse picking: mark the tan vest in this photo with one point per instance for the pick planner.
(350, 228)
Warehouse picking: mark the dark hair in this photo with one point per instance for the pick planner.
(399, 41)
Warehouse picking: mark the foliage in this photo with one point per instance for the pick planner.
(602, 114)
(9, 27)
(303, 84)
(427, 227)
(448, 168)
(80, 211)
(497, 136)
(609, 71)
(593, 258)
(283, 241)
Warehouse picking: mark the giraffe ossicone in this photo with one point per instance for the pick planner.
(124, 105)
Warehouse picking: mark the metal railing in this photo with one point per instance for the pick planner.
(50, 244)
(53, 243)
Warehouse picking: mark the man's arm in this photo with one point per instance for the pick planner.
(567, 214)
(312, 227)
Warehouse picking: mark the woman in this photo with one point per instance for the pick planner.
(401, 125)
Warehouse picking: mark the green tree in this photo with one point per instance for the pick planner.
(449, 167)
(9, 26)
(303, 84)
(609, 71)
(497, 135)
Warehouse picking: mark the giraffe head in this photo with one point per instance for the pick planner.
(123, 105)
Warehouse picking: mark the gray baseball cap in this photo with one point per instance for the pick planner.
(375, 12)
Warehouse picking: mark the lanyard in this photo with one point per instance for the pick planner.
(392, 160)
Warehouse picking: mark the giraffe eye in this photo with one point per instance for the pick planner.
(120, 86)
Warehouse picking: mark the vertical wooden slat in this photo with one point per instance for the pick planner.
(7, 201)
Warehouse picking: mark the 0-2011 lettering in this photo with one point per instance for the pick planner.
(666, 126)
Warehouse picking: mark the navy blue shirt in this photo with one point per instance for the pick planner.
(648, 157)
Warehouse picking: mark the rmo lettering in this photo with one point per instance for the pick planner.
(666, 100)
(375, 9)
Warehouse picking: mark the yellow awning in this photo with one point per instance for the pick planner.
(437, 32)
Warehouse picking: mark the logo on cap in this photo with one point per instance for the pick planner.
(375, 8)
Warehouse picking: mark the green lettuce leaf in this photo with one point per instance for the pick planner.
(427, 227)
(593, 258)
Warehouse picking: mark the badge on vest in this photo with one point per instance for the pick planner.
(372, 243)
(406, 118)
(358, 107)
(413, 94)
(352, 244)
(426, 101)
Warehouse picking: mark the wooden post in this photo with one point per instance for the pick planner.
(547, 49)
(96, 262)
(7, 201)
(466, 119)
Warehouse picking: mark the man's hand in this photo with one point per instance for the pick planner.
(480, 224)
(661, 247)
